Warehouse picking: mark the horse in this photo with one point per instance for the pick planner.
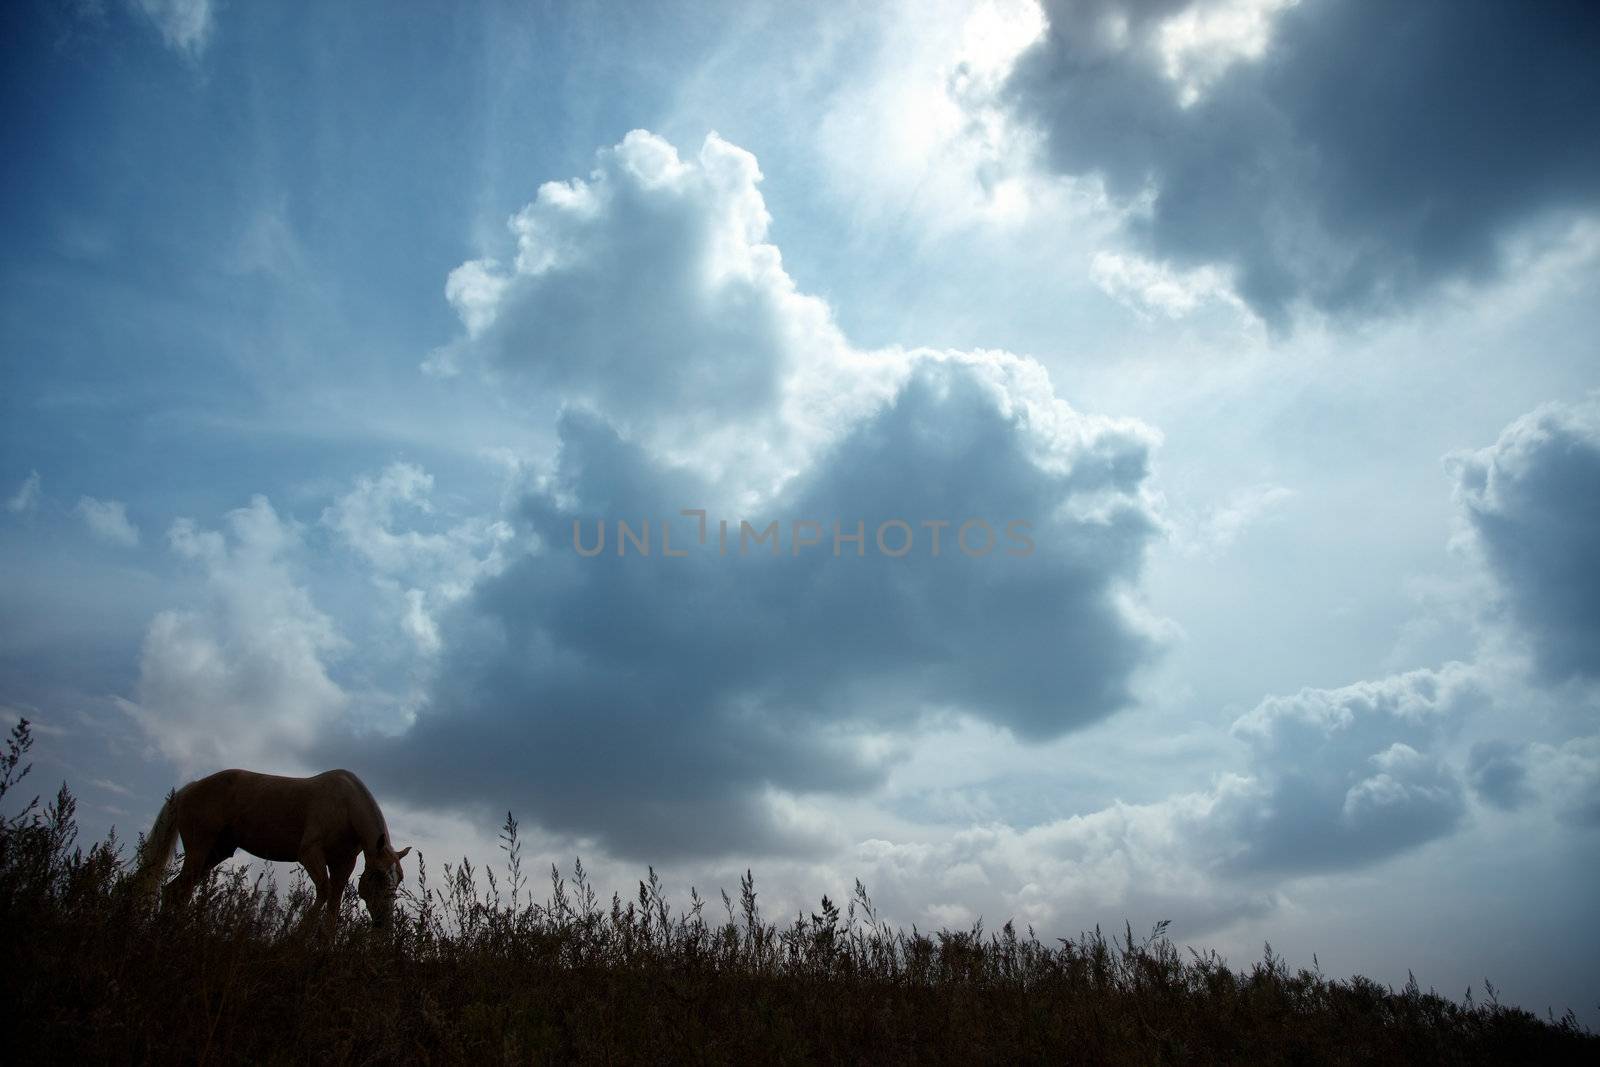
(324, 822)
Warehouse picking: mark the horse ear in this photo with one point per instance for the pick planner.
(398, 856)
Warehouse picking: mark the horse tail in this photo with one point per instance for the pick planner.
(158, 847)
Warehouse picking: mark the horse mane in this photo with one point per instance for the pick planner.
(381, 844)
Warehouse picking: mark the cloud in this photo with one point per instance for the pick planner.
(1340, 778)
(424, 570)
(26, 498)
(242, 680)
(1155, 861)
(111, 787)
(1216, 530)
(621, 694)
(1564, 777)
(108, 520)
(1199, 43)
(1332, 780)
(649, 292)
(679, 704)
(1350, 775)
(185, 25)
(1532, 505)
(1498, 775)
(1150, 287)
(1348, 156)
(1570, 774)
(1343, 778)
(912, 131)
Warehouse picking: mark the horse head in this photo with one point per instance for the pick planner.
(380, 883)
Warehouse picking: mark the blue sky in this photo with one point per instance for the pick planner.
(323, 325)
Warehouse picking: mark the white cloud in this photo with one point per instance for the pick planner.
(1333, 779)
(1346, 777)
(920, 128)
(1223, 524)
(695, 359)
(452, 559)
(419, 623)
(1150, 287)
(241, 680)
(1160, 861)
(268, 245)
(26, 498)
(108, 520)
(1199, 43)
(11, 716)
(184, 24)
(424, 571)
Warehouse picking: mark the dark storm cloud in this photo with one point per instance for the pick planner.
(1373, 151)
(650, 701)
(1533, 502)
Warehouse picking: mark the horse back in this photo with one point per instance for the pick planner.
(268, 815)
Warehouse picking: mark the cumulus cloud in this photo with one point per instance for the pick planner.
(1340, 778)
(108, 520)
(184, 24)
(241, 680)
(1349, 775)
(1342, 154)
(1158, 860)
(1333, 779)
(26, 498)
(424, 570)
(676, 703)
(649, 291)
(1532, 504)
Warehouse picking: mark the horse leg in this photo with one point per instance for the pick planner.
(316, 865)
(196, 862)
(339, 869)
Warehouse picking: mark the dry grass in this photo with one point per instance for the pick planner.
(483, 973)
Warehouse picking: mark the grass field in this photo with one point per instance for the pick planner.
(479, 971)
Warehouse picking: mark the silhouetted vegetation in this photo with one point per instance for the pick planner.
(478, 971)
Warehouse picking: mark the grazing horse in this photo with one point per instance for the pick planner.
(324, 822)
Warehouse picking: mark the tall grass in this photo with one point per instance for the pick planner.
(478, 970)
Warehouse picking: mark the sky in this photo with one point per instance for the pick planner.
(1103, 461)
